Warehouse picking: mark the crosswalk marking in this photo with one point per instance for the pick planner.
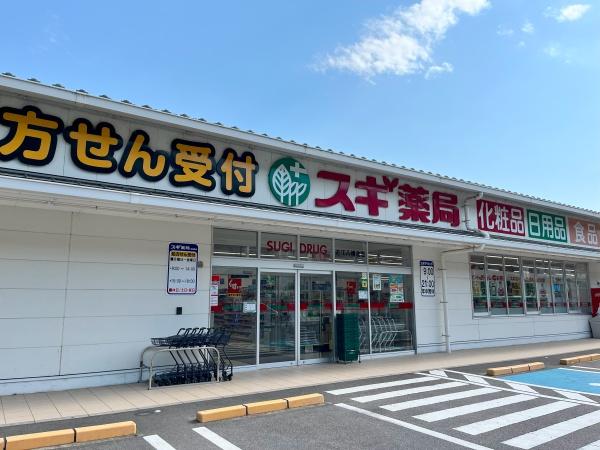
(575, 396)
(438, 399)
(473, 407)
(369, 387)
(521, 387)
(439, 373)
(400, 393)
(476, 379)
(509, 419)
(416, 428)
(213, 437)
(158, 443)
(547, 434)
(592, 446)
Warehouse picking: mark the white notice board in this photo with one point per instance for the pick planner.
(182, 277)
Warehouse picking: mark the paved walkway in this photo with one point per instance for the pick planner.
(45, 406)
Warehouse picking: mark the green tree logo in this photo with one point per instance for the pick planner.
(289, 181)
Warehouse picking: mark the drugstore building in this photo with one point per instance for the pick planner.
(119, 223)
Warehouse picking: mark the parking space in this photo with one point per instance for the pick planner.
(575, 378)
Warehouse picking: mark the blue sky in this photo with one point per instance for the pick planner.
(503, 92)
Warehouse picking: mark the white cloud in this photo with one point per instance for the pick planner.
(503, 31)
(569, 13)
(403, 42)
(521, 44)
(528, 27)
(552, 51)
(432, 71)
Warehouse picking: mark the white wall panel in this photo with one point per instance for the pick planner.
(19, 333)
(29, 362)
(33, 246)
(25, 302)
(16, 274)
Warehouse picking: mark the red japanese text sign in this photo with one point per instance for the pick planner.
(502, 218)
(582, 232)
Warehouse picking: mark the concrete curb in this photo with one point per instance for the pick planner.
(581, 358)
(39, 440)
(67, 436)
(106, 431)
(249, 409)
(518, 368)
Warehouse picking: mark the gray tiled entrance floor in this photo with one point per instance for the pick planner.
(45, 406)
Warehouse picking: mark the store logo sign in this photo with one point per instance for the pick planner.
(289, 182)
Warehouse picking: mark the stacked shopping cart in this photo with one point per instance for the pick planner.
(198, 355)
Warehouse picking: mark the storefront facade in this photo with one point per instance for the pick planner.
(119, 223)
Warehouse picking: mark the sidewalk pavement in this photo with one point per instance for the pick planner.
(47, 406)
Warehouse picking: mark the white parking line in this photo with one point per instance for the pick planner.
(547, 434)
(509, 419)
(592, 446)
(473, 407)
(476, 379)
(158, 443)
(575, 396)
(438, 399)
(400, 393)
(521, 387)
(215, 439)
(369, 387)
(416, 428)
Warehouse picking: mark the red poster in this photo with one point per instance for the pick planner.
(234, 287)
(351, 287)
(595, 300)
(500, 218)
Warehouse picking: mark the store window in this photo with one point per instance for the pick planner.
(515, 286)
(352, 252)
(234, 243)
(315, 249)
(391, 312)
(531, 300)
(571, 288)
(389, 255)
(512, 272)
(497, 285)
(558, 287)
(542, 268)
(352, 296)
(278, 246)
(583, 288)
(236, 311)
(478, 285)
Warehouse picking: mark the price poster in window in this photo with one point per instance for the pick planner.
(214, 290)
(182, 276)
(396, 289)
(376, 281)
(427, 279)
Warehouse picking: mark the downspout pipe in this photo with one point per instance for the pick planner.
(443, 268)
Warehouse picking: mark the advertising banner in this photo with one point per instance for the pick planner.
(550, 227)
(396, 289)
(502, 218)
(582, 232)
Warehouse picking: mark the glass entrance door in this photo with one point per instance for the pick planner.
(277, 338)
(296, 317)
(316, 316)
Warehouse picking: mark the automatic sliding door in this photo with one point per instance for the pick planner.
(277, 317)
(316, 316)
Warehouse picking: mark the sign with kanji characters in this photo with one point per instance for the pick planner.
(234, 287)
(74, 144)
(502, 218)
(214, 290)
(582, 232)
(376, 282)
(427, 278)
(183, 268)
(550, 227)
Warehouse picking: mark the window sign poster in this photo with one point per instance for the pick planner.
(364, 281)
(376, 281)
(363, 295)
(182, 277)
(214, 290)
(234, 287)
(396, 289)
(427, 279)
